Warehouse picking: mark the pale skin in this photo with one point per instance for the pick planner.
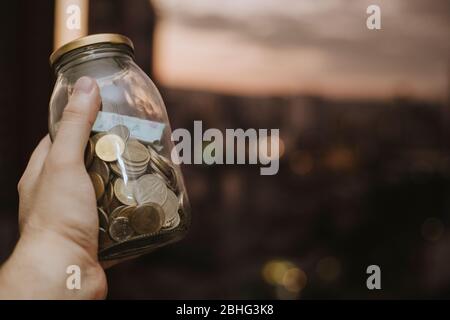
(58, 220)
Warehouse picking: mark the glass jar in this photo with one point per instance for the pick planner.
(141, 198)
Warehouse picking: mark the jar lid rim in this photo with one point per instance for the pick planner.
(114, 38)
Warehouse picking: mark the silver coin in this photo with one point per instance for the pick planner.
(170, 207)
(120, 130)
(183, 201)
(172, 224)
(150, 188)
(123, 170)
(124, 191)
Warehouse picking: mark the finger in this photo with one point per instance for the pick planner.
(77, 120)
(36, 162)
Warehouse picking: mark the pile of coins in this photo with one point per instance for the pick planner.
(137, 189)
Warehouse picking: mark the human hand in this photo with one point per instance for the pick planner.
(58, 219)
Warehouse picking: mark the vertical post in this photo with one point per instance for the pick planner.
(71, 21)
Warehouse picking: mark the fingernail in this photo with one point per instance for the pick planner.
(84, 85)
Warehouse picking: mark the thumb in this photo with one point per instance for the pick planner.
(77, 121)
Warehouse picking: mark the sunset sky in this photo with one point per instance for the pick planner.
(304, 46)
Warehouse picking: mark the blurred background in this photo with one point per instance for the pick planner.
(364, 121)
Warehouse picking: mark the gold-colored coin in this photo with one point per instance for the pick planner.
(102, 219)
(89, 153)
(181, 198)
(183, 202)
(135, 153)
(108, 197)
(96, 137)
(117, 169)
(120, 229)
(115, 213)
(127, 212)
(100, 167)
(114, 204)
(98, 184)
(147, 218)
(163, 167)
(176, 180)
(109, 147)
(155, 157)
(124, 170)
(103, 238)
(124, 192)
(166, 165)
(151, 150)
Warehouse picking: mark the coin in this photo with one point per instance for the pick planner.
(171, 181)
(157, 145)
(124, 192)
(135, 153)
(97, 137)
(120, 130)
(98, 184)
(162, 177)
(102, 219)
(122, 211)
(89, 153)
(127, 212)
(114, 204)
(109, 147)
(155, 159)
(166, 165)
(123, 170)
(152, 151)
(115, 213)
(120, 229)
(147, 218)
(170, 206)
(172, 224)
(150, 188)
(117, 169)
(103, 238)
(183, 201)
(175, 181)
(108, 197)
(163, 167)
(100, 167)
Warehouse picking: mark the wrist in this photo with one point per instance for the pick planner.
(38, 267)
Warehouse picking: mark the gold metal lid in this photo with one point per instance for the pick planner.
(89, 40)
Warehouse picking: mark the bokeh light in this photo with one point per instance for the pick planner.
(287, 278)
(294, 280)
(274, 270)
